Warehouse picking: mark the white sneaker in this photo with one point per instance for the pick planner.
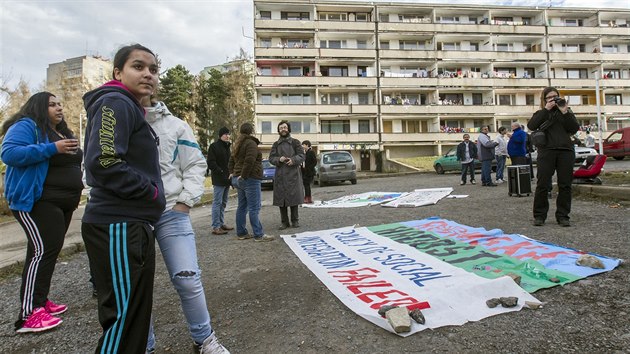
(499, 181)
(212, 346)
(264, 238)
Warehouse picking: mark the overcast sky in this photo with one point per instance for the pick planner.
(194, 33)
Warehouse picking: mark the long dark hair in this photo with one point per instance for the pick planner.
(544, 93)
(36, 108)
(123, 54)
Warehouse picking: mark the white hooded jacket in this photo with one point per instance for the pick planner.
(182, 164)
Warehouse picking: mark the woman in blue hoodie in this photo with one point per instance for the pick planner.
(43, 187)
(126, 200)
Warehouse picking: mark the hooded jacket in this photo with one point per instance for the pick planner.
(181, 162)
(246, 159)
(559, 133)
(121, 159)
(26, 152)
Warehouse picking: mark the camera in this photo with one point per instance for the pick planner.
(560, 102)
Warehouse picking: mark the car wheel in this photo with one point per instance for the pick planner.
(353, 181)
(439, 169)
(618, 157)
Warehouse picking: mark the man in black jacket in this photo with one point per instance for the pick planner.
(218, 158)
(466, 154)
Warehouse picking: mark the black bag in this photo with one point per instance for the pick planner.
(539, 137)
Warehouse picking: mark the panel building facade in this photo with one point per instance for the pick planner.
(406, 80)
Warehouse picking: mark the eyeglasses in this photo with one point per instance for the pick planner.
(550, 97)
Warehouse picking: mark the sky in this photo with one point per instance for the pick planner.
(194, 33)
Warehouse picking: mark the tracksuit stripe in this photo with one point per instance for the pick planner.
(125, 278)
(38, 252)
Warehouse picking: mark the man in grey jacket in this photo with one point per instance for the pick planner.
(287, 155)
(485, 148)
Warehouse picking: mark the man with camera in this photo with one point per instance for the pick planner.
(555, 154)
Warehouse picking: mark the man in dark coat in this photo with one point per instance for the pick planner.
(308, 170)
(218, 158)
(287, 155)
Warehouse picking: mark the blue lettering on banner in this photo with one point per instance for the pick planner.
(325, 254)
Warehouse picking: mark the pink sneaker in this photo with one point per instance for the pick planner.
(55, 309)
(39, 320)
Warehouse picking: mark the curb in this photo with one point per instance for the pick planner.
(603, 192)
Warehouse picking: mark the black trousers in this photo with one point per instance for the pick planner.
(122, 260)
(45, 228)
(284, 215)
(561, 162)
(306, 181)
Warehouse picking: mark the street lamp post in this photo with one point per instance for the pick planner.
(599, 114)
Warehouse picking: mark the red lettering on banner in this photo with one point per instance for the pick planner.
(511, 249)
(352, 279)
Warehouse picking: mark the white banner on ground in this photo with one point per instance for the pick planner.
(419, 197)
(356, 200)
(367, 271)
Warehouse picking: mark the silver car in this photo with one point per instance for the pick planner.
(581, 153)
(335, 166)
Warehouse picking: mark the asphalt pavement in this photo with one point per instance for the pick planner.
(13, 241)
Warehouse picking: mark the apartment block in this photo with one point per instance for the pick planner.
(72, 78)
(404, 79)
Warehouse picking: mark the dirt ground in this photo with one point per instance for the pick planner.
(264, 300)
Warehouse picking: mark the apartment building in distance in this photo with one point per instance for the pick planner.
(71, 79)
(404, 80)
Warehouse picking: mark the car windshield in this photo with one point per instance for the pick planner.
(267, 164)
(337, 157)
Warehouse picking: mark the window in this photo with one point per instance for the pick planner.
(295, 16)
(613, 99)
(364, 126)
(388, 126)
(265, 15)
(448, 19)
(506, 100)
(449, 46)
(506, 71)
(411, 126)
(527, 21)
(612, 74)
(573, 48)
(361, 44)
(306, 127)
(477, 99)
(452, 98)
(384, 45)
(530, 100)
(334, 98)
(297, 43)
(333, 16)
(416, 18)
(364, 98)
(293, 71)
(266, 127)
(503, 20)
(504, 47)
(417, 45)
(335, 126)
(265, 70)
(296, 98)
(334, 71)
(296, 126)
(576, 73)
(362, 71)
(610, 48)
(573, 22)
(265, 42)
(265, 98)
(529, 73)
(334, 44)
(474, 47)
(383, 17)
(362, 17)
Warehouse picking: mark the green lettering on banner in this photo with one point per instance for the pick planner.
(474, 259)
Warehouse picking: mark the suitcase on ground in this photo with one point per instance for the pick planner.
(519, 180)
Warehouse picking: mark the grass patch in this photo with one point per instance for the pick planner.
(616, 178)
(423, 163)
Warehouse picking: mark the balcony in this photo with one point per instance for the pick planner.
(345, 26)
(324, 138)
(345, 81)
(491, 55)
(347, 53)
(614, 83)
(306, 25)
(582, 30)
(459, 28)
(575, 57)
(608, 109)
(574, 83)
(316, 109)
(272, 81)
(262, 52)
(423, 138)
(464, 110)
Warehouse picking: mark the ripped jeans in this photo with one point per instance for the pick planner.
(175, 235)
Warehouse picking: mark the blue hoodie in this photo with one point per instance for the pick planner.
(121, 159)
(25, 151)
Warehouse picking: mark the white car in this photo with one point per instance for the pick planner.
(581, 153)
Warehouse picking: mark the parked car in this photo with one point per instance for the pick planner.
(269, 171)
(617, 144)
(581, 153)
(335, 166)
(448, 163)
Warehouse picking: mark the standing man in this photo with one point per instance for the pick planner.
(486, 146)
(182, 166)
(308, 170)
(501, 153)
(218, 158)
(517, 146)
(287, 155)
(466, 154)
(589, 140)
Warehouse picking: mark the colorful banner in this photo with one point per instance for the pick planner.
(356, 200)
(419, 197)
(366, 271)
